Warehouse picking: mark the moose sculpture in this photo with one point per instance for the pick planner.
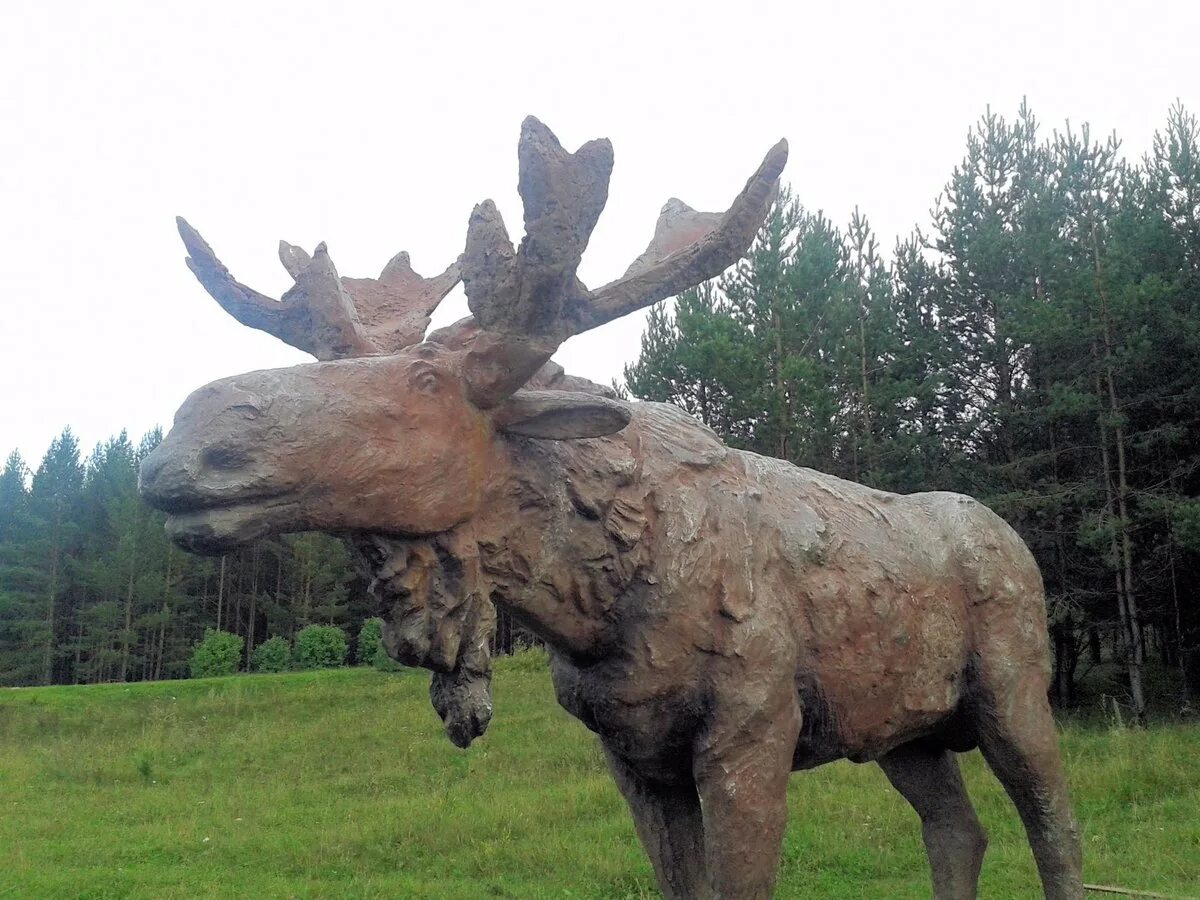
(718, 618)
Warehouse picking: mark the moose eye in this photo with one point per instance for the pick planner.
(225, 458)
(426, 381)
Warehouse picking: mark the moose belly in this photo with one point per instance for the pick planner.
(888, 668)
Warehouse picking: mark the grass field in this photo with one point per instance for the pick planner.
(340, 784)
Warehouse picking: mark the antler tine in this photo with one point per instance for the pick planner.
(395, 309)
(525, 292)
(519, 297)
(245, 304)
(324, 314)
(689, 247)
(315, 315)
(295, 259)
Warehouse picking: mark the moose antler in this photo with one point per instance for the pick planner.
(324, 314)
(690, 247)
(563, 195)
(528, 301)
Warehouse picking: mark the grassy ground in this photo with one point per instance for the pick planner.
(340, 784)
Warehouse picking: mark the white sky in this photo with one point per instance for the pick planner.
(377, 126)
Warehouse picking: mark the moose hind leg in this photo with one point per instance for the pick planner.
(928, 778)
(668, 823)
(1020, 743)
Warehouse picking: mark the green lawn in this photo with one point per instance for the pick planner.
(340, 784)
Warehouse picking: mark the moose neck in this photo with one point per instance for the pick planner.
(552, 544)
(548, 547)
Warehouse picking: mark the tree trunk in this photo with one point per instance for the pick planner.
(78, 651)
(221, 592)
(162, 625)
(48, 662)
(239, 593)
(51, 603)
(1185, 698)
(278, 583)
(253, 609)
(866, 401)
(1137, 644)
(307, 596)
(785, 413)
(1004, 386)
(1066, 656)
(126, 634)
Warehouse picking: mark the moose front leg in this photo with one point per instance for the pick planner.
(741, 775)
(668, 822)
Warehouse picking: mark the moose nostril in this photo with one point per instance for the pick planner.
(225, 458)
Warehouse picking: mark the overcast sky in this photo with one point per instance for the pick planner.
(377, 126)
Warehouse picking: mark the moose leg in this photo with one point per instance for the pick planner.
(928, 778)
(742, 777)
(1020, 743)
(668, 822)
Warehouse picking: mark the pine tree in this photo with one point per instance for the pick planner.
(14, 496)
(18, 578)
(1040, 350)
(54, 502)
(701, 360)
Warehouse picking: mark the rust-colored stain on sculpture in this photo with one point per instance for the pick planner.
(719, 619)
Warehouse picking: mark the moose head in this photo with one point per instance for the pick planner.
(392, 432)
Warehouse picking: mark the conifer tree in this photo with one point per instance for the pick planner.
(55, 504)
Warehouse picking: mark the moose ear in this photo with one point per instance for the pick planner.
(560, 415)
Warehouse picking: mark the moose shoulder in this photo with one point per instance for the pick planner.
(719, 619)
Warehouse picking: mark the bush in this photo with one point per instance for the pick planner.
(320, 647)
(217, 654)
(370, 638)
(369, 648)
(272, 655)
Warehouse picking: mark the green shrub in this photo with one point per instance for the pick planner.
(217, 654)
(272, 655)
(370, 638)
(384, 663)
(369, 648)
(320, 647)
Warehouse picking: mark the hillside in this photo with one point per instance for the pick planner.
(340, 784)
